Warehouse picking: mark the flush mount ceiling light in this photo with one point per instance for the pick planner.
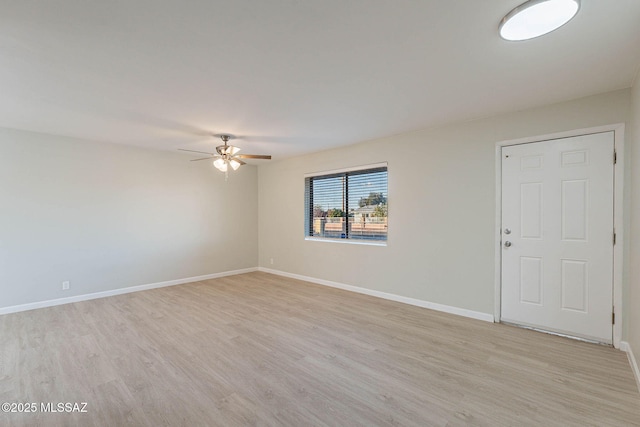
(535, 18)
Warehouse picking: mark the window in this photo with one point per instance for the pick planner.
(347, 205)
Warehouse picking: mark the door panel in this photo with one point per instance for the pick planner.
(531, 280)
(557, 215)
(531, 208)
(574, 209)
(574, 285)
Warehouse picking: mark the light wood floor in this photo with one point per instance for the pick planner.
(258, 349)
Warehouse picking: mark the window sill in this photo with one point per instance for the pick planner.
(347, 241)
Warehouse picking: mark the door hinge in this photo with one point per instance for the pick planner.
(613, 318)
(615, 157)
(614, 237)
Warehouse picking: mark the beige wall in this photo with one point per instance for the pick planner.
(633, 306)
(441, 205)
(106, 216)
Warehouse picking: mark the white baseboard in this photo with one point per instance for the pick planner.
(85, 297)
(624, 346)
(393, 297)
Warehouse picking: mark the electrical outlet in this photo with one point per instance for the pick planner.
(271, 261)
(65, 285)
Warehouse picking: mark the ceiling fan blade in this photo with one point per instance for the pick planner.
(194, 151)
(204, 158)
(227, 149)
(238, 160)
(254, 156)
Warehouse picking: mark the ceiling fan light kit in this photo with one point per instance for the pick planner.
(535, 18)
(227, 156)
(220, 164)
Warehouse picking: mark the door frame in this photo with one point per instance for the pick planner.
(618, 216)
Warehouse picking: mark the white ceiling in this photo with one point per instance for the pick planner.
(291, 76)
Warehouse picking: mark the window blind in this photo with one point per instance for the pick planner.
(347, 205)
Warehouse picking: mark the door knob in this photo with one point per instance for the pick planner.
(507, 244)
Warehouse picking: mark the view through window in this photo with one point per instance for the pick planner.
(348, 205)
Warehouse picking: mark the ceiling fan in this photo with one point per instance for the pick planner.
(227, 156)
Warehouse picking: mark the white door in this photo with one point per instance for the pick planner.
(557, 235)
